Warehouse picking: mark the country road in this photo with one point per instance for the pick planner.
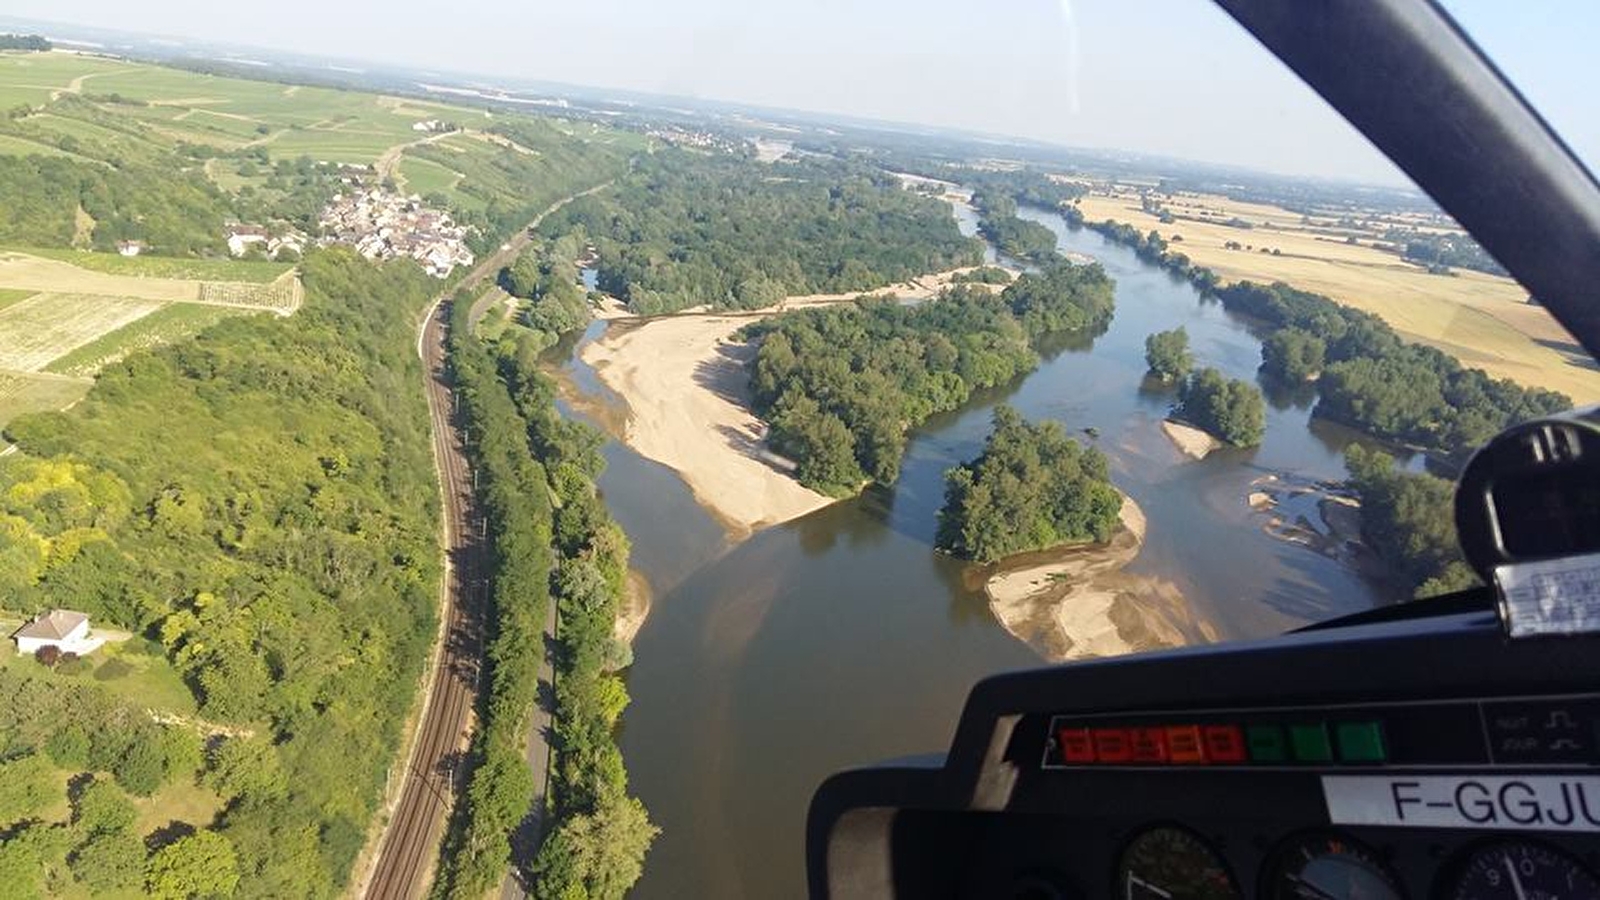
(408, 848)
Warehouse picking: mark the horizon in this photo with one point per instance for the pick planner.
(1272, 123)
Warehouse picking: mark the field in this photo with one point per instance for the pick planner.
(1483, 320)
(61, 321)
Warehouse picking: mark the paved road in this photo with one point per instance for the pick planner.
(408, 848)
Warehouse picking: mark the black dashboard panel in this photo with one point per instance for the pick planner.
(1417, 758)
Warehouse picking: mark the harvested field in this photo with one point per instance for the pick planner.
(44, 327)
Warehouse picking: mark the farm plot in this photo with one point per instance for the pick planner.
(41, 328)
(165, 325)
(20, 393)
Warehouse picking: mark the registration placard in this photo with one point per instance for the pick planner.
(1501, 802)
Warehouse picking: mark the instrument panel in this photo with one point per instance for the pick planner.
(1422, 759)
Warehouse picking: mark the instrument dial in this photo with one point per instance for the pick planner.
(1171, 863)
(1522, 870)
(1328, 866)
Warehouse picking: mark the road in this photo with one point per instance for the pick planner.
(408, 848)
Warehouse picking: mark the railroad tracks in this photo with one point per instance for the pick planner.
(431, 779)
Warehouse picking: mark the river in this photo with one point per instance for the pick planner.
(841, 638)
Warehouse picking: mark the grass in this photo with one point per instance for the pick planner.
(9, 296)
(148, 682)
(425, 176)
(37, 330)
(253, 271)
(20, 394)
(11, 145)
(165, 325)
(1483, 320)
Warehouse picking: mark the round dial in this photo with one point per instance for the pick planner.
(1521, 870)
(1327, 866)
(1171, 863)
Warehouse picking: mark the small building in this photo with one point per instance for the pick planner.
(242, 237)
(63, 629)
(130, 248)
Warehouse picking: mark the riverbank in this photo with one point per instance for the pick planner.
(1076, 602)
(684, 381)
(1322, 517)
(1192, 442)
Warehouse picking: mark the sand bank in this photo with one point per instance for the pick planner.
(1322, 517)
(684, 380)
(1192, 441)
(1076, 602)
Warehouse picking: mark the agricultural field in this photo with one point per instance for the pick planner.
(1483, 320)
(61, 322)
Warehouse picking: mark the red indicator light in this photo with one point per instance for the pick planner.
(1224, 743)
(1184, 744)
(1149, 745)
(1075, 745)
(1111, 745)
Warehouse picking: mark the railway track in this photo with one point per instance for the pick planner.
(408, 849)
(407, 852)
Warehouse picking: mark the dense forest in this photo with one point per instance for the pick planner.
(553, 541)
(24, 42)
(1015, 237)
(1031, 488)
(1228, 408)
(260, 501)
(840, 386)
(686, 229)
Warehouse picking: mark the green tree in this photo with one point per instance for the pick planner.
(1167, 354)
(1293, 354)
(1231, 409)
(27, 783)
(68, 746)
(102, 808)
(202, 864)
(143, 767)
(248, 769)
(109, 862)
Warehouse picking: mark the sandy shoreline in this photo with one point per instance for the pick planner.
(1191, 441)
(1076, 602)
(684, 381)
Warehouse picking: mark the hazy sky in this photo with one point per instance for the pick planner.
(1173, 77)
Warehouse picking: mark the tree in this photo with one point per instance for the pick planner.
(48, 655)
(1293, 354)
(1167, 354)
(247, 769)
(108, 862)
(27, 783)
(102, 808)
(1228, 408)
(142, 769)
(202, 864)
(68, 746)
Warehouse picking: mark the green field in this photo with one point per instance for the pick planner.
(165, 325)
(425, 176)
(144, 679)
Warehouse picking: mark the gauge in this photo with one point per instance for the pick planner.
(1328, 866)
(1172, 863)
(1521, 870)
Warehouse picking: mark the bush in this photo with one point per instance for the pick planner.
(48, 655)
(113, 669)
(73, 664)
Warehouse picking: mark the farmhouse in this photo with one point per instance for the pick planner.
(62, 629)
(242, 237)
(130, 248)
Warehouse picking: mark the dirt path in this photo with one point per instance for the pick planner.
(388, 164)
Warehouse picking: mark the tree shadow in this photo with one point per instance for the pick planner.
(168, 834)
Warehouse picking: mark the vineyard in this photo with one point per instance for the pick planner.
(281, 295)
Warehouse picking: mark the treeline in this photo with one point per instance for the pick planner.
(1031, 488)
(261, 501)
(1016, 237)
(24, 42)
(553, 542)
(545, 275)
(1442, 252)
(840, 386)
(1406, 518)
(113, 752)
(1372, 380)
(686, 229)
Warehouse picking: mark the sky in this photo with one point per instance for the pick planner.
(1168, 77)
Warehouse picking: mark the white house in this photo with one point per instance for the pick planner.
(63, 629)
(242, 237)
(130, 248)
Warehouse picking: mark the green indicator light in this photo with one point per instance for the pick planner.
(1310, 743)
(1266, 744)
(1360, 742)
